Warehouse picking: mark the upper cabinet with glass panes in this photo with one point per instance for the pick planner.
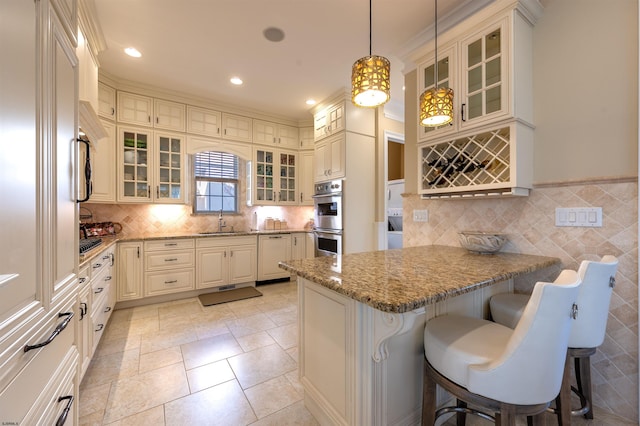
(486, 65)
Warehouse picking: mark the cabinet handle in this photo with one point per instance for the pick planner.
(157, 191)
(149, 118)
(99, 290)
(171, 282)
(170, 244)
(301, 197)
(225, 132)
(99, 328)
(107, 309)
(230, 253)
(55, 333)
(225, 253)
(295, 241)
(82, 280)
(173, 259)
(105, 257)
(63, 417)
(107, 278)
(157, 120)
(275, 237)
(138, 252)
(97, 265)
(462, 111)
(83, 310)
(113, 111)
(148, 191)
(113, 258)
(218, 131)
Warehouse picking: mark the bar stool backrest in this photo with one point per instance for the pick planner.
(598, 279)
(535, 353)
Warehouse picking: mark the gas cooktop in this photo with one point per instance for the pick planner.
(87, 244)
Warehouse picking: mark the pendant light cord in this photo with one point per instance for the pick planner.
(435, 68)
(369, 27)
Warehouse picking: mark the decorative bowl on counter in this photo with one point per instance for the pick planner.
(482, 242)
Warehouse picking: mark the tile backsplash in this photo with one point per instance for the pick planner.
(530, 224)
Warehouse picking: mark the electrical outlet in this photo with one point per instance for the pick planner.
(421, 215)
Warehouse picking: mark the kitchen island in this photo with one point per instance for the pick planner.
(361, 320)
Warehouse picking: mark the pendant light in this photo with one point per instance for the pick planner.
(370, 78)
(436, 105)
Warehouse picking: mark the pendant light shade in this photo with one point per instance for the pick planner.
(370, 78)
(436, 104)
(370, 81)
(436, 107)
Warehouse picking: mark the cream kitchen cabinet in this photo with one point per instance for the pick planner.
(202, 121)
(106, 101)
(280, 135)
(274, 177)
(87, 72)
(306, 137)
(102, 298)
(306, 177)
(237, 127)
(225, 261)
(103, 170)
(487, 61)
(330, 158)
(146, 111)
(130, 270)
(271, 250)
(83, 338)
(329, 121)
(169, 266)
(298, 245)
(150, 166)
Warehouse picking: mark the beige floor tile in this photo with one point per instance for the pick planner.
(206, 328)
(179, 308)
(293, 378)
(293, 353)
(111, 367)
(111, 346)
(255, 341)
(93, 399)
(130, 328)
(93, 419)
(293, 415)
(283, 316)
(209, 375)
(144, 391)
(251, 324)
(286, 336)
(166, 339)
(273, 395)
(261, 365)
(162, 358)
(147, 311)
(224, 404)
(152, 417)
(201, 352)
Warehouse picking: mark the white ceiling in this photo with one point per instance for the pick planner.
(195, 46)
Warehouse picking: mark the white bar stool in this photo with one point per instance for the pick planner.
(508, 371)
(587, 333)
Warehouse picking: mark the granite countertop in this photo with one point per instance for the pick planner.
(401, 280)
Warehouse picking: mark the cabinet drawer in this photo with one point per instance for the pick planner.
(169, 259)
(102, 261)
(101, 282)
(168, 244)
(20, 396)
(225, 241)
(168, 282)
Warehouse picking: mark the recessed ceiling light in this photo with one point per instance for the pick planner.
(273, 34)
(310, 102)
(133, 52)
(236, 80)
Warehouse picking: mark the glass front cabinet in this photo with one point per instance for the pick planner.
(275, 177)
(150, 166)
(488, 68)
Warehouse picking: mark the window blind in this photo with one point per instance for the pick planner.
(217, 165)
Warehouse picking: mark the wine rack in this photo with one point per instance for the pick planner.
(480, 164)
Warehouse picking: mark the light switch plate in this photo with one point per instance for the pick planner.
(589, 217)
(421, 215)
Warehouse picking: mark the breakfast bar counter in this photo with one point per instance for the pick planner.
(361, 321)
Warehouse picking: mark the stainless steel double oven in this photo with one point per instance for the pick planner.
(328, 218)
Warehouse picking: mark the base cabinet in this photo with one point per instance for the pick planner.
(222, 261)
(130, 271)
(273, 249)
(168, 266)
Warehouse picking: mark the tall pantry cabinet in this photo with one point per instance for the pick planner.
(38, 263)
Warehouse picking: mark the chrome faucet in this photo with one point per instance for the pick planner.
(221, 222)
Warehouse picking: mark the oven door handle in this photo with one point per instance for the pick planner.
(326, 232)
(333, 194)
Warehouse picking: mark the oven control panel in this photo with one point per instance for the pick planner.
(328, 187)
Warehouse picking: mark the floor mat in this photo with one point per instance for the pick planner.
(228, 296)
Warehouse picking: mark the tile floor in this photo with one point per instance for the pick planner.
(179, 363)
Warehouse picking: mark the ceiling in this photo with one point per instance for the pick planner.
(195, 46)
